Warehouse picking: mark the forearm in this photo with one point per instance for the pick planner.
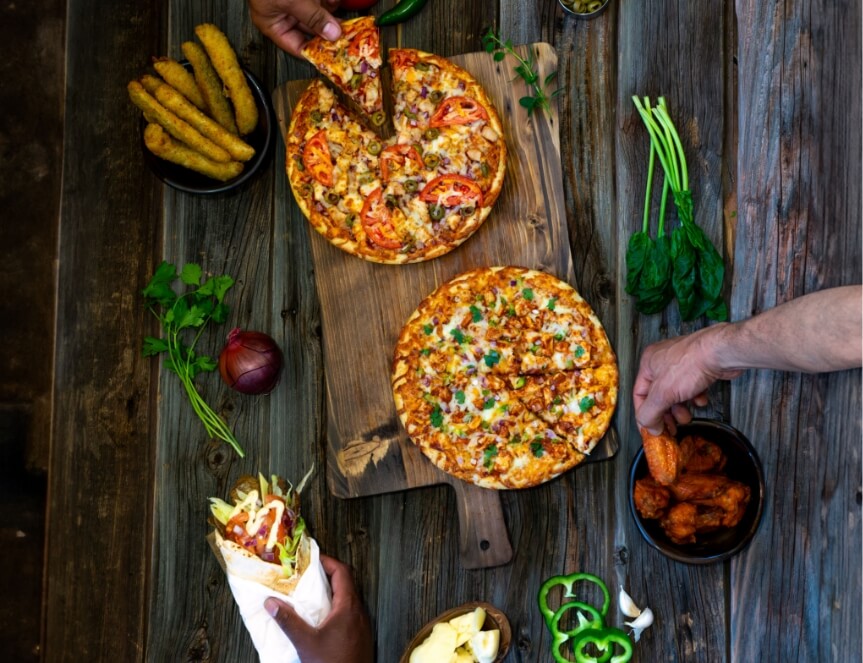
(819, 332)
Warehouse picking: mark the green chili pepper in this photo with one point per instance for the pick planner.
(567, 582)
(401, 12)
(559, 637)
(603, 639)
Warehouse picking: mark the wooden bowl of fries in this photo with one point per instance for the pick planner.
(261, 139)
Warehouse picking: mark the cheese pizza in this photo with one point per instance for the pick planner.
(504, 377)
(415, 196)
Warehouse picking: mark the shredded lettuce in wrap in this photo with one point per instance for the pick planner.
(253, 501)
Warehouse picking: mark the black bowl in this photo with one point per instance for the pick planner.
(743, 465)
(261, 139)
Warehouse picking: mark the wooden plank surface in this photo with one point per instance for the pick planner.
(131, 463)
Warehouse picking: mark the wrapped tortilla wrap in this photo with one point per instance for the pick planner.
(252, 580)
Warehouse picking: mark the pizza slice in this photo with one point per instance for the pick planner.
(578, 404)
(352, 63)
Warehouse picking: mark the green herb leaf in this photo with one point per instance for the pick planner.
(527, 293)
(436, 417)
(428, 329)
(476, 314)
(536, 449)
(459, 397)
(492, 358)
(488, 404)
(586, 403)
(489, 455)
(191, 274)
(458, 335)
(551, 303)
(153, 346)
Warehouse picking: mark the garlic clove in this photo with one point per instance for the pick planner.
(627, 605)
(640, 623)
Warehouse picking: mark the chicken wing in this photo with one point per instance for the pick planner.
(690, 487)
(651, 499)
(732, 500)
(663, 456)
(700, 456)
(680, 523)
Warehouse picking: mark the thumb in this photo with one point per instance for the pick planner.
(295, 627)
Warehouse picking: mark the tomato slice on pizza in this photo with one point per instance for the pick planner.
(451, 191)
(365, 45)
(398, 156)
(317, 158)
(457, 110)
(377, 220)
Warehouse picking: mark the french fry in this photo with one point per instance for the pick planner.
(177, 103)
(225, 63)
(163, 146)
(210, 86)
(178, 128)
(150, 83)
(179, 78)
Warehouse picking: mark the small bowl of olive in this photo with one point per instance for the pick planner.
(584, 8)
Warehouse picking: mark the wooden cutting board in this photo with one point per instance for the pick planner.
(364, 306)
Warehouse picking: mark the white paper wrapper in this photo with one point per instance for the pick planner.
(250, 581)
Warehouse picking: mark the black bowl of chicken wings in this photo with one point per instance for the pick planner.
(709, 497)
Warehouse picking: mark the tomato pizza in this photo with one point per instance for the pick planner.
(504, 377)
(415, 196)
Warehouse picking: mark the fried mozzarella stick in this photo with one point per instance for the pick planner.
(210, 86)
(177, 103)
(225, 63)
(179, 78)
(163, 146)
(178, 128)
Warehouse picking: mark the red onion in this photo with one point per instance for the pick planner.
(250, 362)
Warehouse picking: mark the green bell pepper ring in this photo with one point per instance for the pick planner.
(559, 637)
(568, 582)
(605, 640)
(401, 12)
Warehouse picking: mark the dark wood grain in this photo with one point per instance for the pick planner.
(798, 231)
(102, 460)
(767, 99)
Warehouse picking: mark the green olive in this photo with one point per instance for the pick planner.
(467, 210)
(431, 133)
(378, 118)
(390, 200)
(349, 219)
(435, 96)
(316, 116)
(300, 165)
(410, 185)
(484, 169)
(366, 178)
(333, 198)
(356, 79)
(436, 212)
(431, 160)
(374, 148)
(422, 66)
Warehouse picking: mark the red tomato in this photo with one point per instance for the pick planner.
(457, 110)
(317, 159)
(378, 223)
(399, 155)
(401, 58)
(353, 5)
(365, 44)
(452, 190)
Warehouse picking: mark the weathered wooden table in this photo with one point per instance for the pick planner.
(768, 98)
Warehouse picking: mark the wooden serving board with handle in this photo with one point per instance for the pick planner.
(364, 306)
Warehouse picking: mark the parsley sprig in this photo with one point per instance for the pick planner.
(182, 315)
(526, 69)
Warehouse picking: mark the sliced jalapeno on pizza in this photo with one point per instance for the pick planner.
(398, 156)
(458, 110)
(452, 191)
(377, 220)
(317, 159)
